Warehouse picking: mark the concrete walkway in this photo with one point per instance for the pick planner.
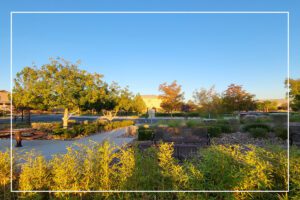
(51, 147)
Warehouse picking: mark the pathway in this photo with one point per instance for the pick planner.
(50, 147)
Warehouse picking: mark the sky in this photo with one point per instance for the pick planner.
(145, 50)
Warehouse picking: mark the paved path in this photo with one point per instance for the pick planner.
(50, 147)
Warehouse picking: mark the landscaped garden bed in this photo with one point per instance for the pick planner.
(100, 167)
(54, 130)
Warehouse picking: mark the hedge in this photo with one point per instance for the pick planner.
(145, 133)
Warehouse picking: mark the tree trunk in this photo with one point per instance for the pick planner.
(66, 118)
(29, 116)
(22, 114)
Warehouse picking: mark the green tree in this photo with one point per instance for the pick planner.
(294, 91)
(235, 98)
(26, 94)
(172, 97)
(266, 105)
(208, 100)
(138, 105)
(125, 100)
(61, 84)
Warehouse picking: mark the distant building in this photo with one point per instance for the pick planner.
(4, 100)
(152, 101)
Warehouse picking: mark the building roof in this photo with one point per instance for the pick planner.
(4, 96)
(149, 96)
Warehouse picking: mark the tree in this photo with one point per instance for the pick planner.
(25, 94)
(138, 104)
(171, 96)
(266, 105)
(189, 106)
(208, 100)
(125, 100)
(60, 84)
(235, 98)
(294, 91)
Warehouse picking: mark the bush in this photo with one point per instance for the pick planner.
(294, 118)
(58, 131)
(46, 126)
(225, 128)
(214, 131)
(117, 124)
(193, 123)
(281, 132)
(145, 133)
(247, 127)
(258, 132)
(88, 129)
(175, 123)
(34, 173)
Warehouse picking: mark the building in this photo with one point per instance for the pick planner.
(4, 100)
(152, 101)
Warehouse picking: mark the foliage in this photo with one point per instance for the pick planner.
(88, 129)
(125, 101)
(214, 131)
(258, 132)
(294, 87)
(171, 96)
(193, 123)
(235, 98)
(170, 168)
(145, 133)
(138, 104)
(267, 105)
(58, 84)
(208, 100)
(294, 173)
(295, 117)
(247, 127)
(45, 126)
(98, 166)
(4, 168)
(281, 132)
(34, 173)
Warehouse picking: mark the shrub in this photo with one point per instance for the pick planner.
(145, 133)
(247, 127)
(214, 131)
(175, 123)
(225, 128)
(4, 168)
(193, 123)
(294, 118)
(170, 167)
(258, 132)
(117, 124)
(89, 129)
(294, 173)
(58, 131)
(281, 132)
(263, 119)
(46, 126)
(34, 173)
(102, 122)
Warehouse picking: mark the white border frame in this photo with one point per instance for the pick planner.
(154, 12)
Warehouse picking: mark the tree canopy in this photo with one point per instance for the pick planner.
(59, 84)
(294, 92)
(209, 100)
(235, 98)
(172, 97)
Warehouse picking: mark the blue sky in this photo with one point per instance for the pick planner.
(144, 50)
